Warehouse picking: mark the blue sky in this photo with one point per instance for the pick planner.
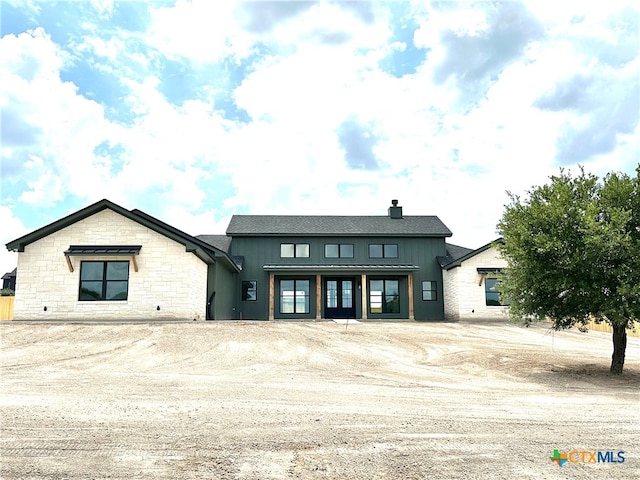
(194, 111)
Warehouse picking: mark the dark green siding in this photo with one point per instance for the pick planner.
(423, 252)
(225, 287)
(255, 251)
(222, 281)
(260, 251)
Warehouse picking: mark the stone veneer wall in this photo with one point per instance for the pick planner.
(450, 289)
(464, 296)
(167, 275)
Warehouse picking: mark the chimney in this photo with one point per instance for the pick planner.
(394, 210)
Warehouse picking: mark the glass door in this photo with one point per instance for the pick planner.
(339, 298)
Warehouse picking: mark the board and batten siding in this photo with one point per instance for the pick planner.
(465, 292)
(260, 251)
(225, 286)
(423, 252)
(168, 277)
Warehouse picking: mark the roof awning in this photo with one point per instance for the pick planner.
(340, 268)
(485, 271)
(103, 250)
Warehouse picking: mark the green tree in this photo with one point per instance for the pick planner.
(573, 248)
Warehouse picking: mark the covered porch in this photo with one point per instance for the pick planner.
(318, 292)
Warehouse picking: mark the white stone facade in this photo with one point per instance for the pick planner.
(168, 277)
(464, 289)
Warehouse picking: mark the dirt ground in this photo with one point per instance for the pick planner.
(316, 400)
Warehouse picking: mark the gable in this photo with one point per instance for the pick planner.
(486, 253)
(205, 252)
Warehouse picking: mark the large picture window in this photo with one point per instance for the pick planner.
(104, 280)
(384, 296)
(294, 296)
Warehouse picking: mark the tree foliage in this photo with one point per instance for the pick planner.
(573, 248)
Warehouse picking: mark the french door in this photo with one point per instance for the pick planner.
(338, 299)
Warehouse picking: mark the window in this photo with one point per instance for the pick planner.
(387, 250)
(492, 292)
(335, 250)
(104, 281)
(294, 250)
(384, 296)
(339, 294)
(294, 296)
(249, 290)
(429, 290)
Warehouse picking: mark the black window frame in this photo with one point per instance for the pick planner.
(341, 247)
(493, 291)
(249, 286)
(307, 297)
(385, 249)
(433, 290)
(295, 250)
(385, 296)
(104, 281)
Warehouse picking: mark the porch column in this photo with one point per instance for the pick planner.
(410, 282)
(318, 297)
(271, 295)
(364, 296)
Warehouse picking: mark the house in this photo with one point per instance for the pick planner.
(9, 280)
(470, 280)
(363, 267)
(107, 262)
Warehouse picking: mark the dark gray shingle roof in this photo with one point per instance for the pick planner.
(448, 263)
(454, 252)
(221, 242)
(321, 225)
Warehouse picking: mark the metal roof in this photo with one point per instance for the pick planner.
(340, 267)
(103, 250)
(322, 225)
(484, 271)
(10, 274)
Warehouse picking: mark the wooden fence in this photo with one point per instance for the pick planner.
(605, 327)
(6, 308)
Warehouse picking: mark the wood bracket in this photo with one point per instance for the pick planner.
(69, 264)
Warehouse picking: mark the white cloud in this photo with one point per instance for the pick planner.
(201, 30)
(485, 108)
(12, 228)
(207, 222)
(64, 126)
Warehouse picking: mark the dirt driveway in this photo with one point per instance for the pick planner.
(313, 400)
